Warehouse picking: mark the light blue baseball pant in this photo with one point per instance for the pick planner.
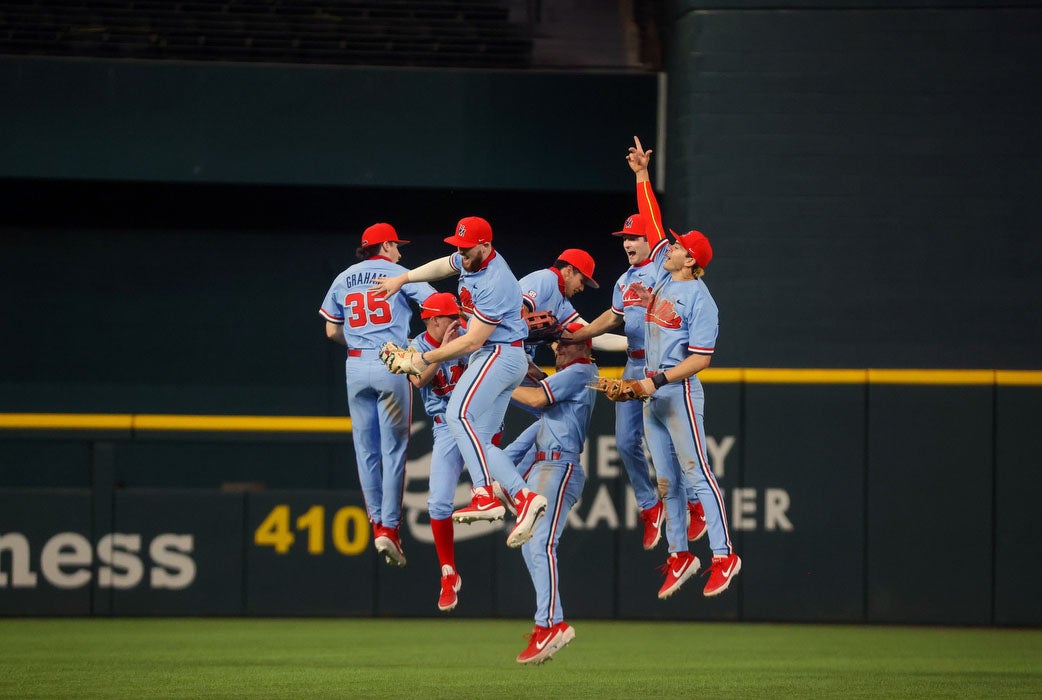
(561, 481)
(676, 437)
(629, 441)
(380, 404)
(475, 413)
(446, 467)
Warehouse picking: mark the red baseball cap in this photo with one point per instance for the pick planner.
(581, 261)
(470, 231)
(634, 226)
(379, 233)
(572, 328)
(696, 245)
(439, 304)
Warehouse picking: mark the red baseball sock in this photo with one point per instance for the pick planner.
(444, 542)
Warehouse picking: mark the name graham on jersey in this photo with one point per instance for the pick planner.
(367, 279)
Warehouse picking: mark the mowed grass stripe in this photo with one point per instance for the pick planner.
(451, 658)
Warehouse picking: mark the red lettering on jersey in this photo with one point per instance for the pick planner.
(661, 312)
(466, 302)
(636, 294)
(442, 384)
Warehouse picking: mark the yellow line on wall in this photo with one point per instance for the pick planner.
(329, 424)
(263, 424)
(174, 423)
(66, 421)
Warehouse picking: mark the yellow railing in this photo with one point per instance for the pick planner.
(328, 424)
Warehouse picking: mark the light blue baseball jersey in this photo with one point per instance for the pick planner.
(682, 320)
(632, 290)
(492, 295)
(543, 290)
(435, 394)
(370, 321)
(564, 423)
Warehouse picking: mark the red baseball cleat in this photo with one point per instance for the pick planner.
(678, 568)
(389, 544)
(450, 585)
(483, 506)
(653, 518)
(530, 507)
(696, 524)
(721, 572)
(542, 643)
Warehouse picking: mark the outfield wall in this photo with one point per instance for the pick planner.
(853, 496)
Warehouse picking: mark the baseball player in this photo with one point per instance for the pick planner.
(644, 243)
(680, 330)
(551, 290)
(380, 404)
(490, 301)
(440, 314)
(558, 437)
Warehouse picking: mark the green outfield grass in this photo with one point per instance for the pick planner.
(462, 659)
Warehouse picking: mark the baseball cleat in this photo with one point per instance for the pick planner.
(653, 518)
(678, 568)
(542, 643)
(506, 500)
(721, 572)
(451, 582)
(483, 506)
(567, 634)
(389, 544)
(696, 523)
(530, 507)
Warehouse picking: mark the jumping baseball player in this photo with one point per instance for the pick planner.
(380, 404)
(681, 326)
(644, 242)
(551, 289)
(440, 313)
(490, 300)
(558, 436)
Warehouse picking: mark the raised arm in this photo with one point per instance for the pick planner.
(647, 204)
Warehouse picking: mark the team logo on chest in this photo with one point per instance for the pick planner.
(636, 294)
(466, 302)
(444, 382)
(663, 313)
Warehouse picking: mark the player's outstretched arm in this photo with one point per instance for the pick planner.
(602, 324)
(611, 342)
(531, 396)
(477, 333)
(437, 269)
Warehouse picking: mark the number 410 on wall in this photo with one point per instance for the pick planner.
(349, 530)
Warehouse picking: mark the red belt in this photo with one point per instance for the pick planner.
(544, 456)
(515, 344)
(439, 419)
(354, 353)
(636, 354)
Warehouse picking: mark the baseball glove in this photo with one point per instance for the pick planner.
(621, 389)
(543, 328)
(401, 360)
